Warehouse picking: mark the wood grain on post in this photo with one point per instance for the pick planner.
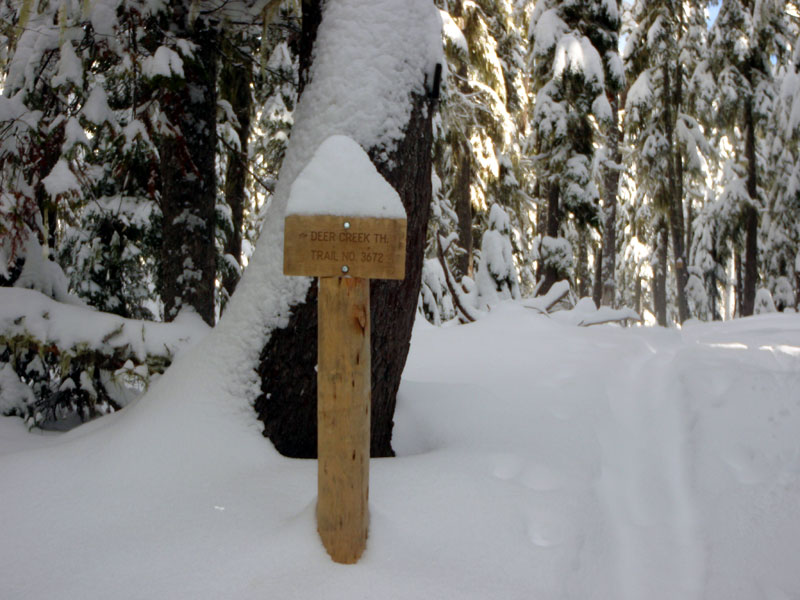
(343, 381)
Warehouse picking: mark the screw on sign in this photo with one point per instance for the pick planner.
(346, 225)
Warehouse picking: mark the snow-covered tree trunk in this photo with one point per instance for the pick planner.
(188, 193)
(380, 89)
(288, 362)
(394, 303)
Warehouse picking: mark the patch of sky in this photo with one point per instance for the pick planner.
(713, 11)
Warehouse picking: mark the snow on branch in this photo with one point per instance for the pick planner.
(77, 361)
(584, 314)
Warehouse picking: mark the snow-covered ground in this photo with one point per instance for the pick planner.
(537, 459)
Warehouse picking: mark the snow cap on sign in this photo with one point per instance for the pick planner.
(341, 180)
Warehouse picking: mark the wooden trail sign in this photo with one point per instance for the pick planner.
(332, 246)
(346, 225)
(345, 253)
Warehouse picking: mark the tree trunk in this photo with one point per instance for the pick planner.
(288, 401)
(394, 303)
(597, 287)
(540, 225)
(462, 156)
(637, 294)
(715, 316)
(681, 229)
(312, 17)
(738, 292)
(463, 206)
(235, 82)
(660, 272)
(675, 199)
(750, 216)
(553, 222)
(688, 224)
(611, 189)
(797, 291)
(188, 191)
(582, 268)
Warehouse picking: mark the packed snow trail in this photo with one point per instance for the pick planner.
(647, 484)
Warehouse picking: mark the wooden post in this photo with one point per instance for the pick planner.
(345, 253)
(345, 250)
(343, 382)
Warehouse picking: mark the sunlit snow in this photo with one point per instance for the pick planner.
(536, 459)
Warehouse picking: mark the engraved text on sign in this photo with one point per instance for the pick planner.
(333, 246)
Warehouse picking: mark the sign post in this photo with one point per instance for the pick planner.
(345, 253)
(346, 225)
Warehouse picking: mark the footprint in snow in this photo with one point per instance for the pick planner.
(536, 477)
(547, 530)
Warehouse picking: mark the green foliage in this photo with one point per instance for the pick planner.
(73, 382)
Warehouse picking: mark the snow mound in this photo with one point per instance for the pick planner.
(536, 460)
(340, 180)
(28, 312)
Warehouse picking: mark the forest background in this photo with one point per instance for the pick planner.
(645, 153)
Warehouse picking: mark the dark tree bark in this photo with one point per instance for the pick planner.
(188, 177)
(463, 206)
(462, 156)
(541, 225)
(637, 294)
(551, 273)
(689, 225)
(312, 17)
(675, 197)
(797, 291)
(660, 272)
(597, 286)
(394, 303)
(582, 268)
(750, 216)
(611, 189)
(712, 291)
(235, 82)
(287, 404)
(738, 295)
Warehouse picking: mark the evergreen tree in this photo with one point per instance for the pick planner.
(96, 97)
(662, 50)
(258, 85)
(479, 157)
(570, 87)
(72, 77)
(497, 277)
(780, 226)
(743, 38)
(610, 160)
